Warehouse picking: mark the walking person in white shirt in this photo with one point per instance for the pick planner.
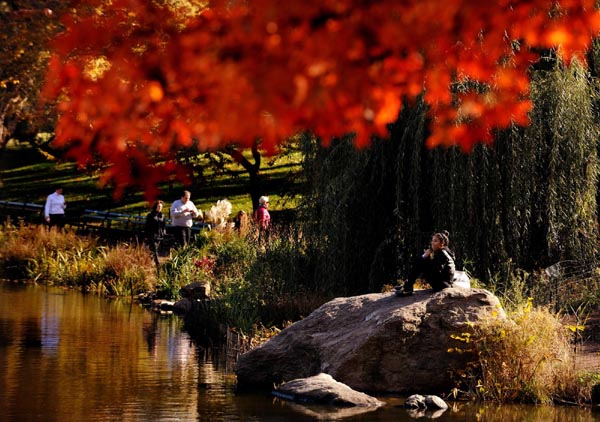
(54, 211)
(183, 212)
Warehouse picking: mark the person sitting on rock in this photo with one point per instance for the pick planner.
(436, 266)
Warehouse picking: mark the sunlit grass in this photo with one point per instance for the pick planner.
(26, 175)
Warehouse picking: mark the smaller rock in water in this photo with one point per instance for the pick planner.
(323, 389)
(196, 290)
(417, 401)
(435, 402)
(183, 306)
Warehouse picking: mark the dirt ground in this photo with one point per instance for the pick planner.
(587, 357)
(586, 343)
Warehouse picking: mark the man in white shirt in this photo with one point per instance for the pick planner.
(183, 212)
(54, 211)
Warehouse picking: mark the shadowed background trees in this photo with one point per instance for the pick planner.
(527, 202)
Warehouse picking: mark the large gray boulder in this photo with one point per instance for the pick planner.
(375, 342)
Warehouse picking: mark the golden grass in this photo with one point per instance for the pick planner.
(526, 358)
(65, 259)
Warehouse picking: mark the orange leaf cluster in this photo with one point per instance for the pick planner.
(268, 69)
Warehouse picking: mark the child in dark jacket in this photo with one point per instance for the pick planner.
(436, 266)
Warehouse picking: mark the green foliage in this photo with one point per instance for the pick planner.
(531, 197)
(581, 386)
(569, 291)
(77, 267)
(565, 123)
(257, 283)
(511, 285)
(349, 216)
(279, 278)
(176, 272)
(234, 254)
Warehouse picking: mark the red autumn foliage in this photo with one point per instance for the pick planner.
(268, 69)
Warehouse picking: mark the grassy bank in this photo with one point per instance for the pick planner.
(33, 253)
(253, 282)
(28, 175)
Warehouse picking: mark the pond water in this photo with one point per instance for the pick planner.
(66, 356)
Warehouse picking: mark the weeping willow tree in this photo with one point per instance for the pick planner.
(565, 126)
(349, 215)
(530, 199)
(527, 201)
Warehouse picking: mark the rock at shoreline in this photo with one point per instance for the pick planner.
(375, 342)
(323, 389)
(196, 290)
(417, 401)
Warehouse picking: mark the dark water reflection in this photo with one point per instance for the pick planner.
(66, 357)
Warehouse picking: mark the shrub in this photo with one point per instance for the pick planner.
(234, 254)
(77, 267)
(63, 258)
(177, 272)
(34, 252)
(525, 358)
(128, 270)
(255, 282)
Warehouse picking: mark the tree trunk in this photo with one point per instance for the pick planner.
(253, 170)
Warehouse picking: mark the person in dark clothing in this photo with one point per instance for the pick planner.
(436, 266)
(155, 229)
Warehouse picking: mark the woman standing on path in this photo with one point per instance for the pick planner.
(261, 215)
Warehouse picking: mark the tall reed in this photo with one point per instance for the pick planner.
(66, 259)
